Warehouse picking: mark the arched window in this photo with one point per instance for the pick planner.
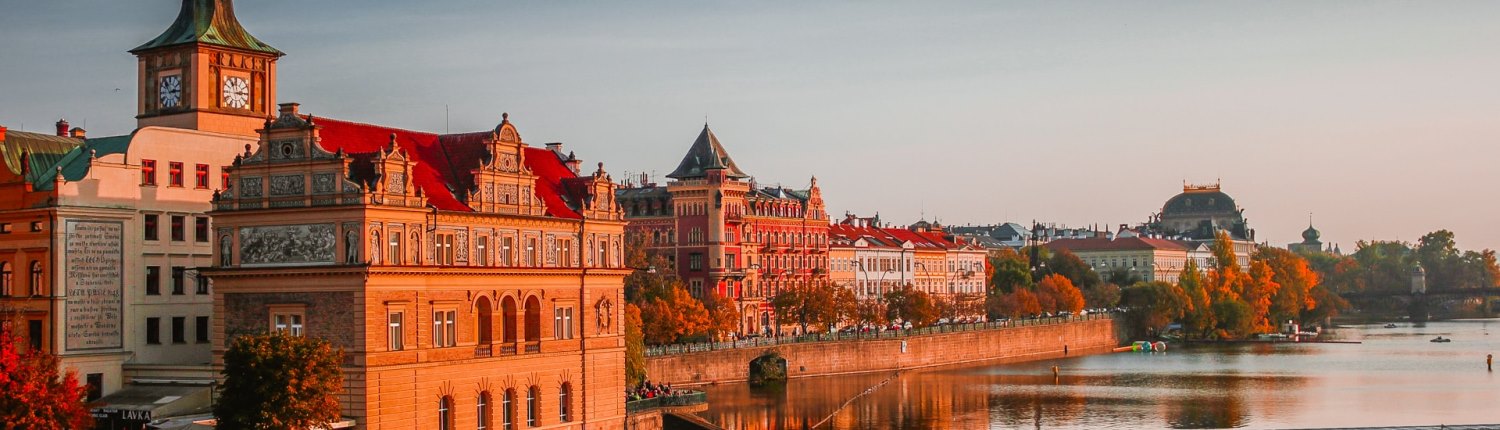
(36, 278)
(564, 408)
(508, 319)
(482, 411)
(533, 320)
(445, 413)
(486, 320)
(507, 412)
(6, 278)
(531, 410)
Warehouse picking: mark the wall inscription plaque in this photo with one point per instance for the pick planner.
(95, 256)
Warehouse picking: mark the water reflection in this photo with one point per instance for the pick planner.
(1394, 378)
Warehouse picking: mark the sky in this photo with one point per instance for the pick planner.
(1380, 119)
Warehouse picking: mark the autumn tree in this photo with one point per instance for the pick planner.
(672, 315)
(910, 305)
(1056, 294)
(279, 381)
(1106, 295)
(36, 395)
(723, 315)
(1198, 316)
(819, 306)
(1018, 304)
(1080, 274)
(635, 347)
(1295, 279)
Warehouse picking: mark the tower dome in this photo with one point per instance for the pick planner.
(1311, 234)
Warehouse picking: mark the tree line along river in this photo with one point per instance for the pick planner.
(1394, 377)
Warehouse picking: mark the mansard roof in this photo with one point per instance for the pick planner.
(445, 162)
(706, 154)
(209, 22)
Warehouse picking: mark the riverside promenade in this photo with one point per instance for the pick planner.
(896, 350)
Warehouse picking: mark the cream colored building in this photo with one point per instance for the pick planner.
(1149, 259)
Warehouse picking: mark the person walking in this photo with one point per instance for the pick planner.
(1489, 362)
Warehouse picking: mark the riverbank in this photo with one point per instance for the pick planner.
(810, 359)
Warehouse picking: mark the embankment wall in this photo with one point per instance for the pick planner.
(1002, 345)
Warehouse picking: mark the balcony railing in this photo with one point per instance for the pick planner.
(762, 342)
(483, 351)
(533, 347)
(686, 399)
(508, 349)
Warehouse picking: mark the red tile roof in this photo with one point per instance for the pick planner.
(1120, 244)
(444, 162)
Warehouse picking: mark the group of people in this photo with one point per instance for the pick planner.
(647, 390)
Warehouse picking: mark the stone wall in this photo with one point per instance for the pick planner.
(1014, 344)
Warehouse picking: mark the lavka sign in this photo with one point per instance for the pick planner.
(95, 258)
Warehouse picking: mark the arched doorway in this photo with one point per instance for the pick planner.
(486, 321)
(508, 319)
(533, 319)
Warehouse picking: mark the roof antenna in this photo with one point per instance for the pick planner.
(445, 119)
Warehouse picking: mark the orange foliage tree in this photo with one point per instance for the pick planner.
(1056, 293)
(36, 396)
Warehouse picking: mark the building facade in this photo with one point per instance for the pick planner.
(724, 234)
(1145, 258)
(473, 280)
(127, 217)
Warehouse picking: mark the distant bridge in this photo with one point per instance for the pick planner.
(1418, 305)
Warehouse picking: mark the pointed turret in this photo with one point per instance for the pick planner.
(211, 22)
(706, 154)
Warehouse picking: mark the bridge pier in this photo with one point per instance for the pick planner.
(1418, 308)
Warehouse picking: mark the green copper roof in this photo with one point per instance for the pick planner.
(211, 22)
(75, 164)
(34, 152)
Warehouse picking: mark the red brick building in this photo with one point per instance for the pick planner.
(726, 234)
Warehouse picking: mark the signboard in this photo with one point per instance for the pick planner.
(95, 257)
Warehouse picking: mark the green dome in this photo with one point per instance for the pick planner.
(1311, 234)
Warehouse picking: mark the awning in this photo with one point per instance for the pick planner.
(137, 405)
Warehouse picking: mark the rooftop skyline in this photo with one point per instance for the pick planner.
(1373, 116)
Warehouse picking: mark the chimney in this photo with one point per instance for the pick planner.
(555, 147)
(2, 132)
(288, 108)
(78, 133)
(62, 127)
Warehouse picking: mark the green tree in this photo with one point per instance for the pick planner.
(1106, 295)
(817, 306)
(279, 381)
(635, 347)
(1008, 271)
(1198, 317)
(1062, 262)
(1153, 305)
(36, 395)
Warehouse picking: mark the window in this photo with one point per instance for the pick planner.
(95, 386)
(174, 174)
(200, 229)
(178, 275)
(148, 172)
(153, 280)
(531, 252)
(178, 229)
(445, 413)
(202, 326)
(36, 226)
(394, 254)
(531, 410)
(150, 229)
(481, 246)
(565, 253)
(202, 176)
(393, 331)
(201, 282)
(482, 410)
(6, 280)
(562, 402)
(5, 228)
(444, 248)
(507, 416)
(224, 178)
(287, 321)
(695, 262)
(444, 332)
(506, 245)
(562, 323)
(153, 331)
(34, 334)
(179, 329)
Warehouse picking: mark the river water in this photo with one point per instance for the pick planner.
(1394, 377)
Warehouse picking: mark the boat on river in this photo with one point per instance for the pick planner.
(1390, 325)
(1441, 339)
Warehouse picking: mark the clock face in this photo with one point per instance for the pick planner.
(236, 93)
(170, 91)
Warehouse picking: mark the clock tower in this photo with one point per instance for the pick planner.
(206, 73)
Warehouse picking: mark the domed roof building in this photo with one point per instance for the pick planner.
(1310, 242)
(1200, 212)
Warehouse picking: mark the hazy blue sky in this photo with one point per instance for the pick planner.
(1379, 117)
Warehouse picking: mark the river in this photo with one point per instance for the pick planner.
(1394, 377)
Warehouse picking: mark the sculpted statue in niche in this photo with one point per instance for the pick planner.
(226, 253)
(351, 246)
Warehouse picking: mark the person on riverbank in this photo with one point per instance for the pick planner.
(1489, 362)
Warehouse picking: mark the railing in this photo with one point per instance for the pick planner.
(759, 342)
(690, 398)
(483, 351)
(533, 347)
(508, 349)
